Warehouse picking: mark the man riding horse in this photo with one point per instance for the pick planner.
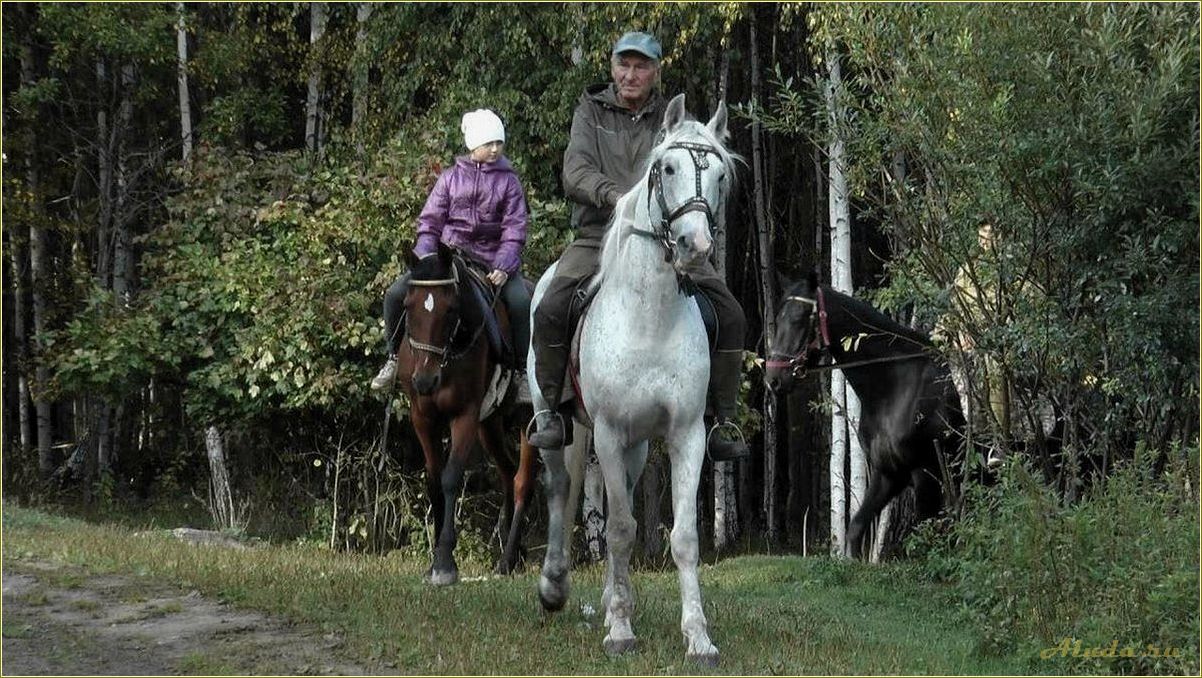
(613, 129)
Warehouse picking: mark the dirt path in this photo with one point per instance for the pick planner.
(62, 621)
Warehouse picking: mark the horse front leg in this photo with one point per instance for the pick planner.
(427, 428)
(553, 586)
(464, 431)
(620, 533)
(687, 450)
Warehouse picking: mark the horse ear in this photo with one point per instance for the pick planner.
(675, 113)
(717, 124)
(812, 278)
(444, 253)
(410, 256)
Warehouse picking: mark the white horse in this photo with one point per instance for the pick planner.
(644, 362)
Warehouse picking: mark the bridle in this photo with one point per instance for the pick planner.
(444, 351)
(662, 233)
(820, 339)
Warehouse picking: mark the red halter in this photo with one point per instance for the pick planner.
(821, 339)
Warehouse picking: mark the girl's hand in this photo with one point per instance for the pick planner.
(498, 277)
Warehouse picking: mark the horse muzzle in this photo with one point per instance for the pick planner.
(425, 383)
(691, 247)
(779, 380)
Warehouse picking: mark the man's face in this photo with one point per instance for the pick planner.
(634, 74)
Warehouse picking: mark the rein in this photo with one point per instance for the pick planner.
(823, 341)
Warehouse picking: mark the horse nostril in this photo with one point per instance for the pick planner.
(682, 242)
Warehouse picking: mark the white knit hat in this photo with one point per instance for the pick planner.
(480, 127)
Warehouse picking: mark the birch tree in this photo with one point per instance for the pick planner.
(39, 277)
(359, 68)
(314, 135)
(185, 109)
(840, 280)
(726, 508)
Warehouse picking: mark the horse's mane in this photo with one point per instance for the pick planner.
(873, 318)
(619, 223)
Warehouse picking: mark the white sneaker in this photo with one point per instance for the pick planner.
(386, 376)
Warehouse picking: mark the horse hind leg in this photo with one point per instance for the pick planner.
(492, 439)
(620, 533)
(882, 487)
(687, 452)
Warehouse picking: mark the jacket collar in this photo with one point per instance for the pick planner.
(607, 95)
(501, 165)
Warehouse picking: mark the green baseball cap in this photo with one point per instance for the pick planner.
(636, 41)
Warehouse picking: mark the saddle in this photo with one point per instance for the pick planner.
(582, 299)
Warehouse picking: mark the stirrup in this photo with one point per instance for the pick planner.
(562, 425)
(727, 423)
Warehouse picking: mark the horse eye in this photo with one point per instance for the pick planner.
(722, 177)
(669, 170)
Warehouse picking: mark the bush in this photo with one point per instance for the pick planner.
(1120, 565)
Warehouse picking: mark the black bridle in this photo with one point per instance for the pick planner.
(662, 233)
(818, 336)
(444, 351)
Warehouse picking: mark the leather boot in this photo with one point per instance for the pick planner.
(724, 439)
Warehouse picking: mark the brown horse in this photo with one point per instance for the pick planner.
(444, 365)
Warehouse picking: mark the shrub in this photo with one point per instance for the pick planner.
(1120, 565)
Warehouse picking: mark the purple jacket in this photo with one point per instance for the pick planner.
(477, 207)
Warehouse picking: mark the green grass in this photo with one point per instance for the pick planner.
(768, 615)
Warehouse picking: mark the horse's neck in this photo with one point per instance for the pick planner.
(640, 272)
(868, 338)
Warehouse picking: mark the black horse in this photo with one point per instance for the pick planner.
(911, 423)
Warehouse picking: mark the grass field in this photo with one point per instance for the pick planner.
(768, 614)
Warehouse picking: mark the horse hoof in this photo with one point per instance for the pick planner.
(708, 660)
(443, 578)
(620, 646)
(552, 594)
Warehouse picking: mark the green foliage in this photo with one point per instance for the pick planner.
(1073, 131)
(1122, 565)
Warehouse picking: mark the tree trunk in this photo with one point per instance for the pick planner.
(123, 210)
(104, 182)
(726, 508)
(317, 28)
(360, 65)
(221, 500)
(185, 108)
(841, 431)
(594, 509)
(16, 252)
(767, 290)
(653, 543)
(38, 280)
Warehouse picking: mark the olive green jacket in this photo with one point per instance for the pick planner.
(606, 154)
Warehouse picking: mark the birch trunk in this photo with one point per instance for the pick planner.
(221, 500)
(594, 509)
(360, 65)
(185, 107)
(840, 278)
(653, 543)
(317, 28)
(38, 282)
(726, 508)
(123, 212)
(767, 291)
(16, 253)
